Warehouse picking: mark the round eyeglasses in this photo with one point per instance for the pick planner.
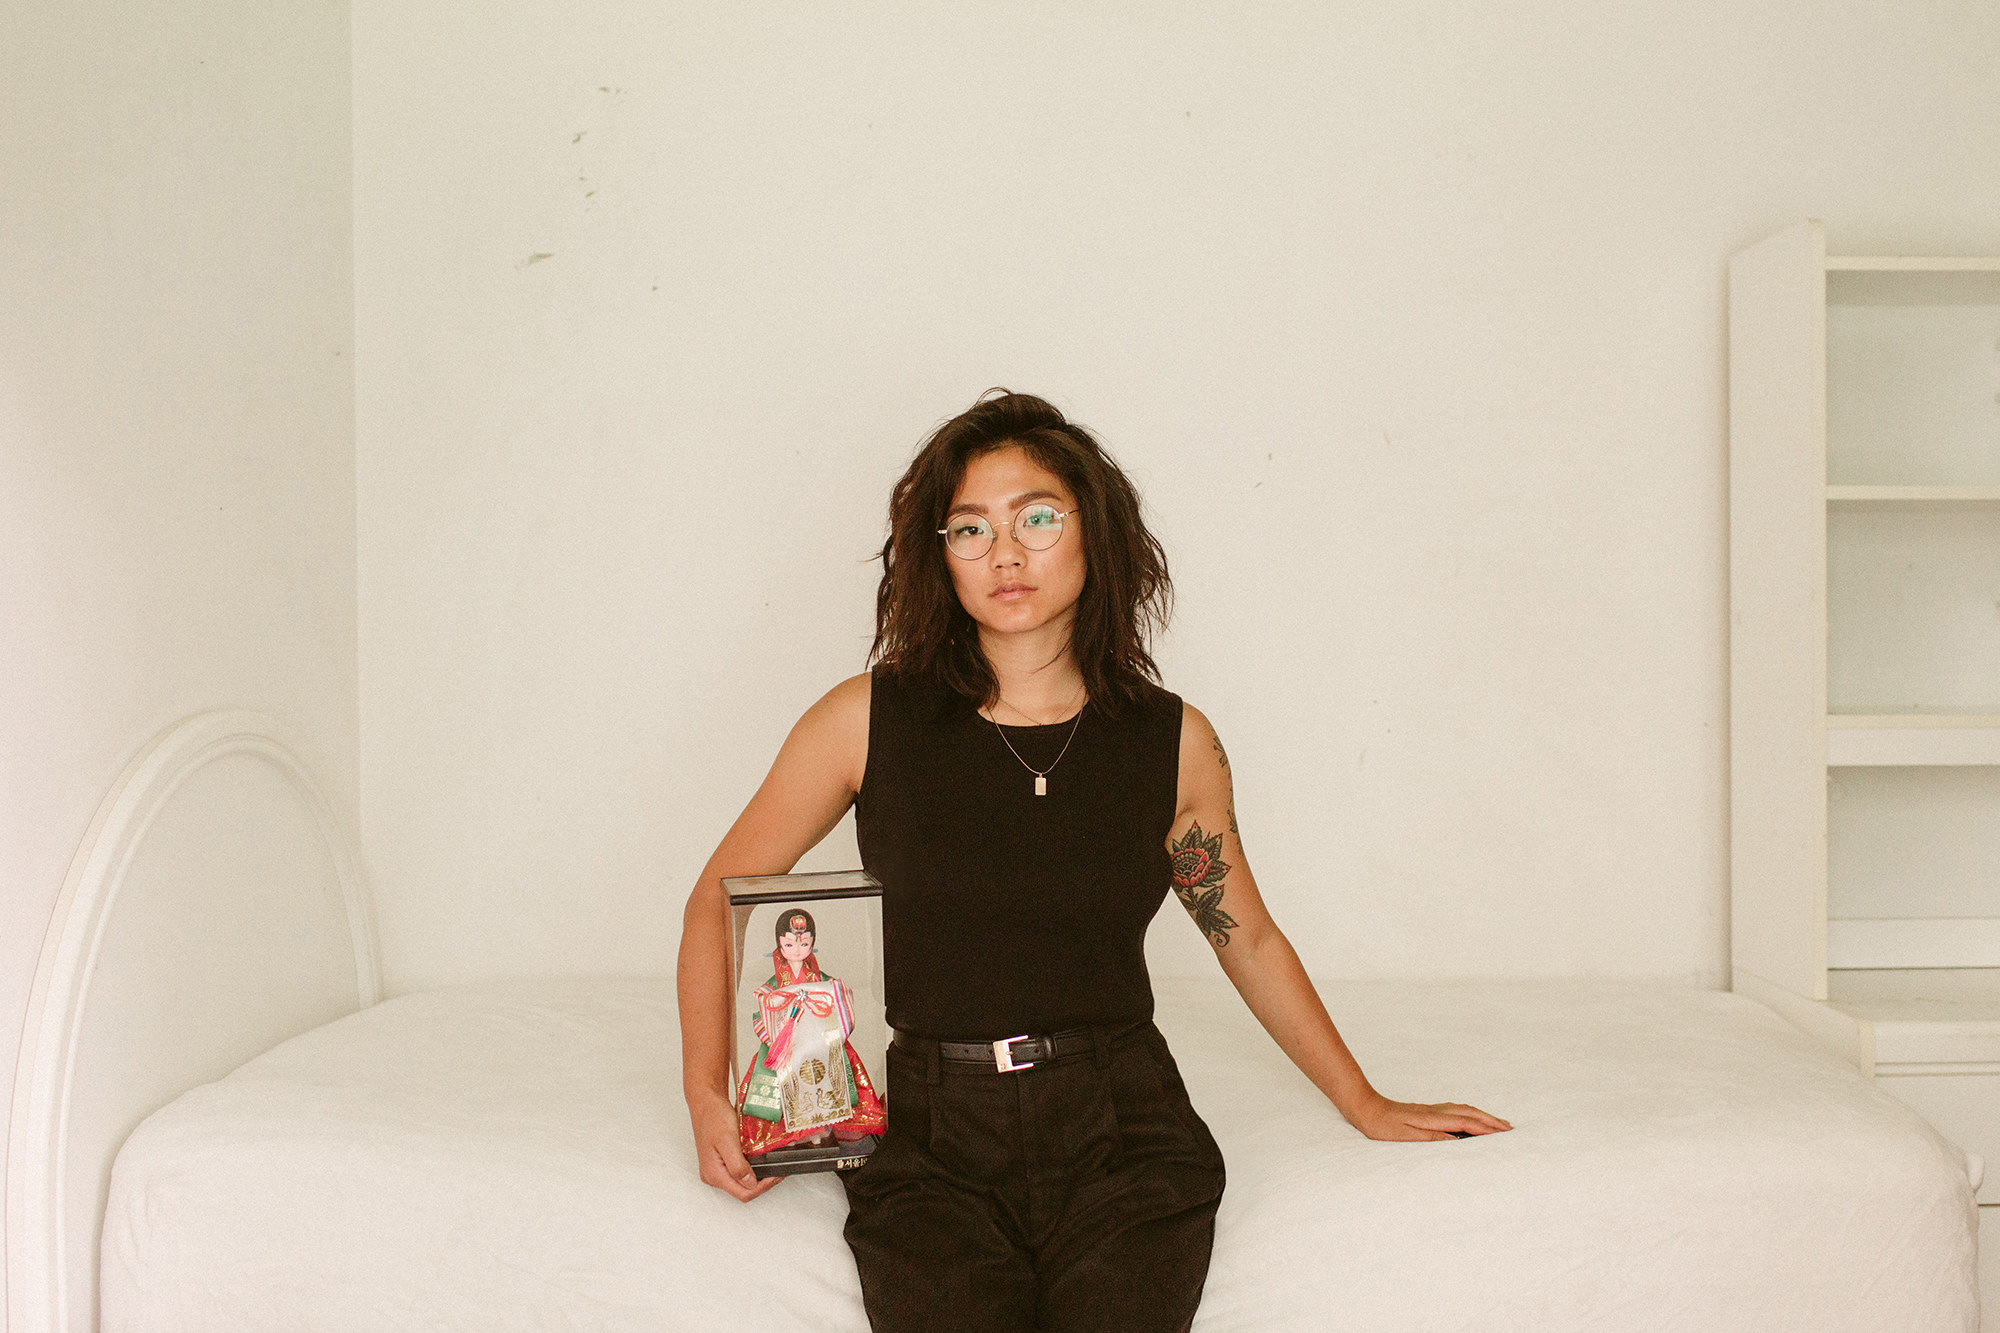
(1038, 527)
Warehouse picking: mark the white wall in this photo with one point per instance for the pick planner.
(176, 408)
(1408, 317)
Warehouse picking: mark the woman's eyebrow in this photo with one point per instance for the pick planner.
(970, 508)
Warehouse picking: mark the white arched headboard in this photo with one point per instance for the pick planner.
(213, 909)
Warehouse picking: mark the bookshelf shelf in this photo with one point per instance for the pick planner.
(1912, 739)
(1974, 496)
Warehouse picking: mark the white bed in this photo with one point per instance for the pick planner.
(1682, 1160)
(516, 1156)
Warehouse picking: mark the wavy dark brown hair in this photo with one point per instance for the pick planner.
(923, 633)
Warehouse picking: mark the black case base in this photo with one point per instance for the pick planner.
(823, 1157)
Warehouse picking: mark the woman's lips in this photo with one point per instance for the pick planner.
(1011, 592)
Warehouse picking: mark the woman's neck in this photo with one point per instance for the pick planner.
(1039, 680)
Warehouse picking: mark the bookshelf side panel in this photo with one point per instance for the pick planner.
(1777, 610)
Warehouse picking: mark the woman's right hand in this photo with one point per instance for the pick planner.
(721, 1151)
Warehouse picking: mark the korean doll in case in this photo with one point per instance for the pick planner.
(808, 1019)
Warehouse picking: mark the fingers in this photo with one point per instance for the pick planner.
(742, 1189)
(733, 1176)
(748, 1187)
(1419, 1122)
(1482, 1123)
(1465, 1119)
(719, 1150)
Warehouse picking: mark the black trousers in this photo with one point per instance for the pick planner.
(1079, 1194)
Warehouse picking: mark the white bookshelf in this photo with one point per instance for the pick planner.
(1864, 565)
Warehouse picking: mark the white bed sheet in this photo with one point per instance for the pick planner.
(517, 1157)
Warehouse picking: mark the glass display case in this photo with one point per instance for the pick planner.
(808, 1025)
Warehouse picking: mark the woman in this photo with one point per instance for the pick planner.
(1031, 793)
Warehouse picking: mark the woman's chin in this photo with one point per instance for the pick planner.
(1017, 619)
(1012, 626)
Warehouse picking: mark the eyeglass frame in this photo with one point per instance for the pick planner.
(945, 532)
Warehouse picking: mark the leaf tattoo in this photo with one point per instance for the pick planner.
(1198, 874)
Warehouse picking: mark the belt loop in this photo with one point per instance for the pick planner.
(931, 1059)
(1100, 1041)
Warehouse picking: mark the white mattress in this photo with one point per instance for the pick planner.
(517, 1157)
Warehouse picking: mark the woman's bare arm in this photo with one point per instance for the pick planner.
(1213, 882)
(812, 782)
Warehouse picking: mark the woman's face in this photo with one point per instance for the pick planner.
(1011, 589)
(796, 946)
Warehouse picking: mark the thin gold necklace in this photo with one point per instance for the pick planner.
(1041, 774)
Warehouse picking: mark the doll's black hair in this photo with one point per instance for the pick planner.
(785, 920)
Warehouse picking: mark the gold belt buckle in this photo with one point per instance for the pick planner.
(1003, 1059)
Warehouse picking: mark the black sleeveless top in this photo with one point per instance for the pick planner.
(1003, 912)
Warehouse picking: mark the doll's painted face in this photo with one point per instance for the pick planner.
(796, 945)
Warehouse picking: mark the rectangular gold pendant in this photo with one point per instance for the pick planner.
(1041, 785)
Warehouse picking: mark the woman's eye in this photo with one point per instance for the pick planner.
(965, 530)
(1039, 517)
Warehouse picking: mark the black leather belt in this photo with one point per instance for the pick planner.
(1007, 1056)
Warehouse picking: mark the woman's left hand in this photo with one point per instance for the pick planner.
(1410, 1121)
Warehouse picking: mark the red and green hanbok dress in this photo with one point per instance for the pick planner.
(806, 1078)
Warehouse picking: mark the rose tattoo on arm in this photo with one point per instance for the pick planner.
(1198, 874)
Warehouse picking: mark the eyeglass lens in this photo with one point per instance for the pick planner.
(1037, 527)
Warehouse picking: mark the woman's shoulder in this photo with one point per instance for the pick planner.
(851, 693)
(1156, 703)
(1204, 778)
(832, 735)
(853, 698)
(840, 707)
(1190, 715)
(844, 708)
(1197, 732)
(907, 697)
